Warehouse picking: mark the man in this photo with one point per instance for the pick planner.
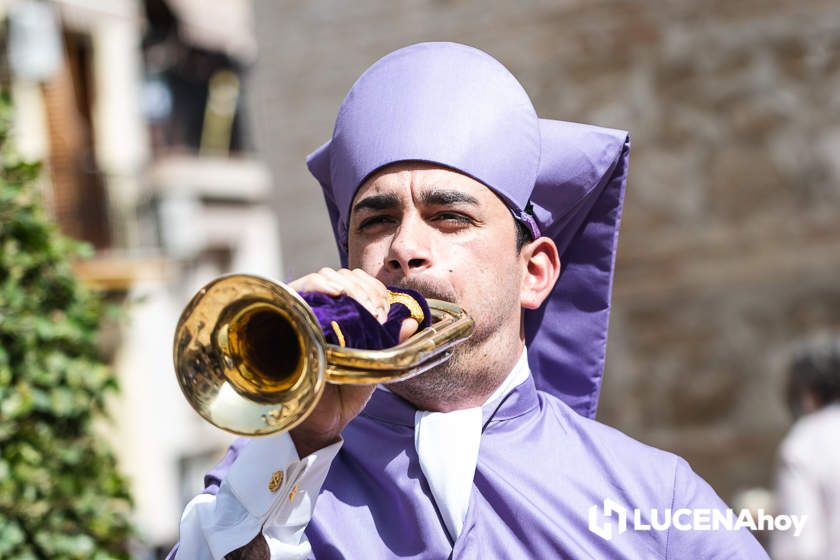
(440, 177)
(808, 470)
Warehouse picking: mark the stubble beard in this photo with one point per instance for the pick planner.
(476, 366)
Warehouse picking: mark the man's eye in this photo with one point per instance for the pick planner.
(452, 217)
(375, 220)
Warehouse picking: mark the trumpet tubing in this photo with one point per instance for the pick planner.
(251, 359)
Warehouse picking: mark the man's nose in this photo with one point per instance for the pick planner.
(410, 249)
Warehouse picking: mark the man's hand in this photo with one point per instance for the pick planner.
(341, 403)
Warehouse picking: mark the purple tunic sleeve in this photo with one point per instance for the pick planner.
(213, 479)
(692, 492)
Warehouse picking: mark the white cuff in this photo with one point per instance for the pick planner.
(268, 487)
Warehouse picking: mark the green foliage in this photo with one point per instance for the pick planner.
(61, 495)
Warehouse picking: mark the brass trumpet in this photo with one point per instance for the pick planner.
(251, 359)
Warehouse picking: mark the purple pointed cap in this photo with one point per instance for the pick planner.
(457, 106)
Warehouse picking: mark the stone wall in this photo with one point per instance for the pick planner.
(730, 246)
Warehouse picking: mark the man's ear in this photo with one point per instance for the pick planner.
(541, 268)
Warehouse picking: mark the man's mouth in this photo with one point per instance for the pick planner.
(429, 288)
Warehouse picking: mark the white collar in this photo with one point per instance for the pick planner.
(447, 445)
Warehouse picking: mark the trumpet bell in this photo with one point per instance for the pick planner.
(249, 355)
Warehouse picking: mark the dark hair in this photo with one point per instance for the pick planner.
(815, 369)
(523, 235)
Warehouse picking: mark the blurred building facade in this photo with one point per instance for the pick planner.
(137, 111)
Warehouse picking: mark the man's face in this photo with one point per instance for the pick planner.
(448, 236)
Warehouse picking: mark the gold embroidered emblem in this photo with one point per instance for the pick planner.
(276, 481)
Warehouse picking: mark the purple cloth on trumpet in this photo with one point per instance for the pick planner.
(359, 328)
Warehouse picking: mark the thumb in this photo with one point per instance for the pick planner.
(408, 328)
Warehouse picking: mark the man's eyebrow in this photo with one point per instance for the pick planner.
(440, 197)
(385, 201)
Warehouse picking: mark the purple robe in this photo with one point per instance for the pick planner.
(541, 467)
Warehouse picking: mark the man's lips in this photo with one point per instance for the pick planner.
(429, 288)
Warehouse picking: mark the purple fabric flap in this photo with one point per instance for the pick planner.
(359, 328)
